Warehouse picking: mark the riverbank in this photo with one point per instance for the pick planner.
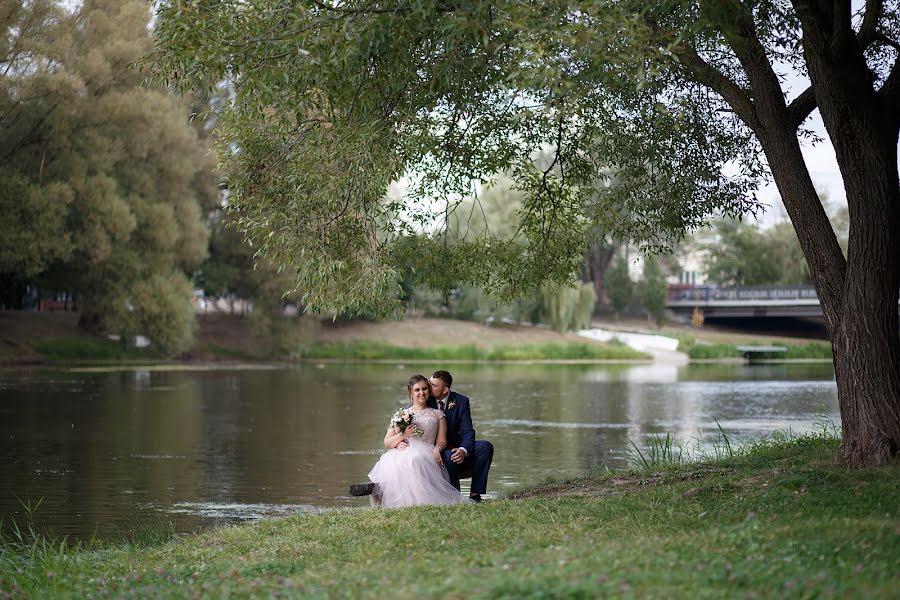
(708, 344)
(46, 338)
(780, 520)
(39, 338)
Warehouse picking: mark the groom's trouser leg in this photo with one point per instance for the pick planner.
(481, 464)
(453, 469)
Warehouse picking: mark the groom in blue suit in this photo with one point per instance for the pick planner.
(464, 456)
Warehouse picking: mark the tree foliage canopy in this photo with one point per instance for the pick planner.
(104, 182)
(334, 102)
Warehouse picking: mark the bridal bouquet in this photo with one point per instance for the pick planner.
(403, 419)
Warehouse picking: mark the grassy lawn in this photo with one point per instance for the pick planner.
(89, 349)
(778, 521)
(373, 350)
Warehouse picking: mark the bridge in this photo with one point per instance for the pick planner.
(716, 302)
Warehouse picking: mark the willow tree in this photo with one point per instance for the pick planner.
(686, 101)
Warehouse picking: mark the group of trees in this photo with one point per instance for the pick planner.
(740, 252)
(337, 100)
(650, 291)
(104, 184)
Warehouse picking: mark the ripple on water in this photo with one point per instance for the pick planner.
(237, 510)
(555, 424)
(158, 456)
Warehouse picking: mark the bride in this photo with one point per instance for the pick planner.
(411, 471)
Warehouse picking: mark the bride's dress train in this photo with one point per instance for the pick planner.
(412, 476)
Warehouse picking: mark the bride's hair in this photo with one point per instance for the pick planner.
(431, 403)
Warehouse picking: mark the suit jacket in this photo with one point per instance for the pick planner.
(460, 432)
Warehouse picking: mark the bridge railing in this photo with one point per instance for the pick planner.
(712, 293)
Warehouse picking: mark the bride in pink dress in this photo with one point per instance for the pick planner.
(411, 471)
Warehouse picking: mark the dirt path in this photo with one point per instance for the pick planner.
(426, 333)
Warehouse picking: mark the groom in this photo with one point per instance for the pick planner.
(464, 456)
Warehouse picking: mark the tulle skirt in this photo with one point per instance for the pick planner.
(411, 476)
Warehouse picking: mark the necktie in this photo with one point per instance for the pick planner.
(441, 405)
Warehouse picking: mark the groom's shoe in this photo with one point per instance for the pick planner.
(475, 497)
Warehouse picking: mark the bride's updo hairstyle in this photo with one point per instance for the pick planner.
(432, 403)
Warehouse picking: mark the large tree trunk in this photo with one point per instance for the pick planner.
(862, 126)
(866, 358)
(90, 320)
(866, 342)
(858, 296)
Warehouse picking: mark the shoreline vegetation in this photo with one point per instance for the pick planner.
(776, 519)
(372, 350)
(54, 338)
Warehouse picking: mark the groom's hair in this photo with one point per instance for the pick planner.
(444, 376)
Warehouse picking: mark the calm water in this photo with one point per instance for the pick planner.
(108, 451)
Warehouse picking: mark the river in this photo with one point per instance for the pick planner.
(101, 452)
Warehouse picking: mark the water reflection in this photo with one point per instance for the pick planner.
(107, 450)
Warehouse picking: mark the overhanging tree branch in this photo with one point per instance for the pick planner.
(802, 106)
(890, 90)
(888, 41)
(740, 34)
(868, 30)
(709, 76)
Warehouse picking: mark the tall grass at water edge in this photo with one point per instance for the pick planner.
(25, 549)
(665, 451)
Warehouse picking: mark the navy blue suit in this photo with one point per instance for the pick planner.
(461, 434)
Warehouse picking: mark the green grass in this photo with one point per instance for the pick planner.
(819, 350)
(695, 348)
(810, 350)
(705, 351)
(779, 520)
(367, 350)
(686, 341)
(229, 353)
(86, 348)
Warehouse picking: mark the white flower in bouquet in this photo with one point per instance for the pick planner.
(402, 419)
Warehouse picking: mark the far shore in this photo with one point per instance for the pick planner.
(38, 339)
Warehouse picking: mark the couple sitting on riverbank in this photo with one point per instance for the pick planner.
(426, 459)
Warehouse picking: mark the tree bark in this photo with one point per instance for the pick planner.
(90, 320)
(866, 344)
(863, 131)
(599, 255)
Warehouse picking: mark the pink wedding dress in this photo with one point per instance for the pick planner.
(412, 476)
